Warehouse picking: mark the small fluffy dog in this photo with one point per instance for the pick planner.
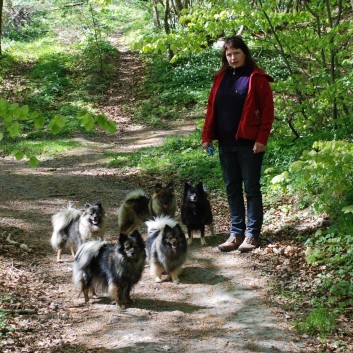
(112, 269)
(196, 211)
(138, 207)
(166, 247)
(72, 227)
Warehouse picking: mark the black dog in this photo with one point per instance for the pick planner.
(196, 211)
(112, 269)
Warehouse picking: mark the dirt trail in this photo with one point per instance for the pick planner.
(219, 306)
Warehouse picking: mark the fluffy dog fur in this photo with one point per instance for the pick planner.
(112, 269)
(72, 227)
(133, 211)
(166, 247)
(138, 207)
(196, 211)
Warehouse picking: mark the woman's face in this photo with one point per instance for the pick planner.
(235, 57)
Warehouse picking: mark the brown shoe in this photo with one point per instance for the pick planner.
(249, 244)
(232, 243)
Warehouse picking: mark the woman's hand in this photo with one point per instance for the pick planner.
(259, 147)
(205, 145)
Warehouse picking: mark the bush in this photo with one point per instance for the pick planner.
(323, 176)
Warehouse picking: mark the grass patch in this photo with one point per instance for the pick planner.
(42, 148)
(180, 157)
(320, 321)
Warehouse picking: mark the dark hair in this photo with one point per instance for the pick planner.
(237, 43)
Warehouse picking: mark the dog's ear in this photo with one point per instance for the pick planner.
(120, 243)
(157, 187)
(167, 229)
(98, 204)
(136, 234)
(178, 229)
(122, 237)
(200, 186)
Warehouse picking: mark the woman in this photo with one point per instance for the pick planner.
(239, 115)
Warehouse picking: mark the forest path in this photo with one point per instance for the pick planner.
(219, 306)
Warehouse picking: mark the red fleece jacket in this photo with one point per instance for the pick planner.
(258, 112)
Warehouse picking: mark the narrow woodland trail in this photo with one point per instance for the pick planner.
(219, 306)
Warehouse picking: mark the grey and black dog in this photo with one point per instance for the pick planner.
(72, 227)
(166, 247)
(111, 269)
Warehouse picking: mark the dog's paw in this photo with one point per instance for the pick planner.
(121, 307)
(203, 241)
(189, 241)
(158, 280)
(176, 280)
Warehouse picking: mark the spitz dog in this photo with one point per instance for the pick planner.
(166, 247)
(138, 207)
(72, 227)
(196, 211)
(134, 211)
(163, 201)
(113, 269)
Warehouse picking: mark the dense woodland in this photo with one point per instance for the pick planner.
(56, 62)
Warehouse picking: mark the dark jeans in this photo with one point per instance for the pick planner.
(240, 166)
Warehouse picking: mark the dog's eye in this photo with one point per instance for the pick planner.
(128, 247)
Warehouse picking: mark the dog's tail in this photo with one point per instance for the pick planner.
(84, 256)
(60, 221)
(159, 223)
(133, 209)
(135, 194)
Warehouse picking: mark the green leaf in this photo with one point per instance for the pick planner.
(18, 154)
(88, 122)
(23, 113)
(106, 124)
(39, 121)
(56, 124)
(14, 129)
(33, 161)
(348, 209)
(280, 178)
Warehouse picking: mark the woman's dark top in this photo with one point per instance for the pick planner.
(229, 105)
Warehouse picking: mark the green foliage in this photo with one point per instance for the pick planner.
(30, 26)
(3, 325)
(172, 92)
(56, 79)
(332, 250)
(323, 175)
(181, 158)
(319, 321)
(14, 119)
(305, 47)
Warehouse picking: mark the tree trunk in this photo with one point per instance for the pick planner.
(167, 25)
(155, 15)
(1, 8)
(179, 6)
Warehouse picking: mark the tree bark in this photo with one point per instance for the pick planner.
(155, 14)
(167, 25)
(1, 8)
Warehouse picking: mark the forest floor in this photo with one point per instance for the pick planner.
(221, 305)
